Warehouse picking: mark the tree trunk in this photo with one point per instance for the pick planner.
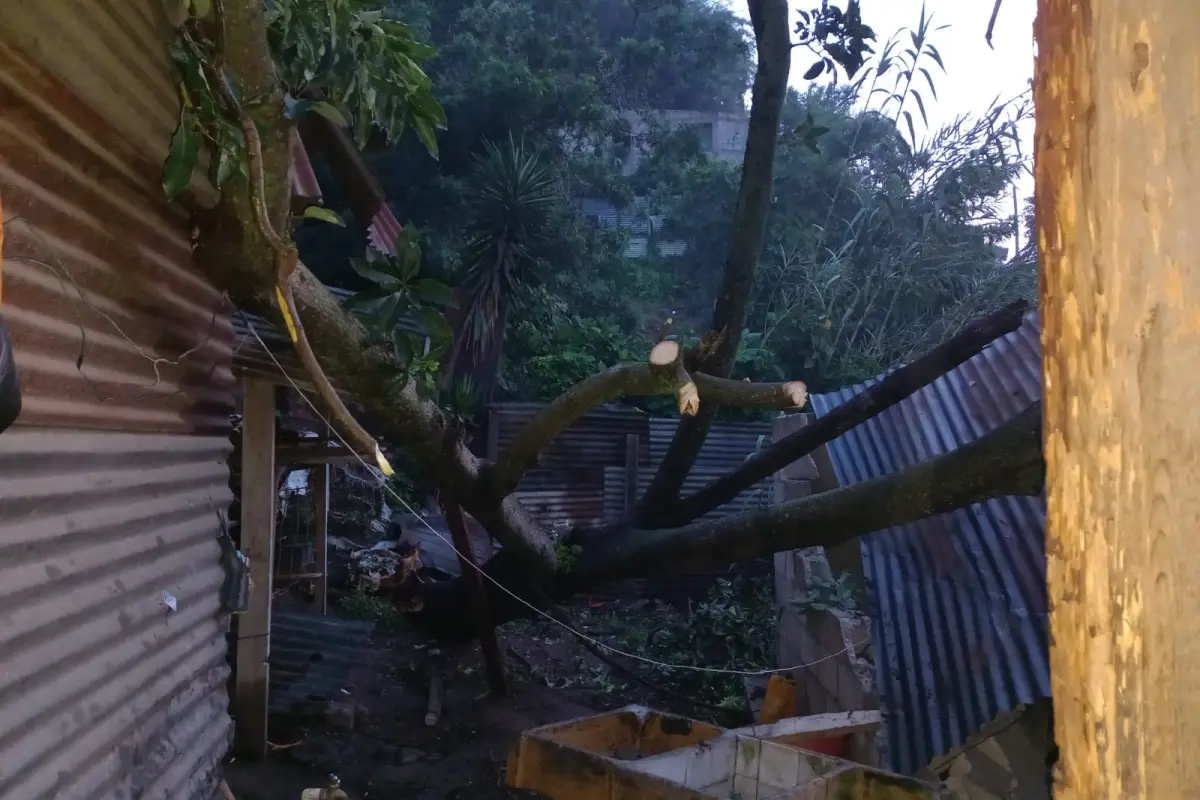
(1118, 192)
(772, 33)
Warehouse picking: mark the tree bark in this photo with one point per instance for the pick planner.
(1117, 94)
(772, 33)
(883, 395)
(1007, 461)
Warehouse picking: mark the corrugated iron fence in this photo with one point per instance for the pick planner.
(581, 477)
(112, 653)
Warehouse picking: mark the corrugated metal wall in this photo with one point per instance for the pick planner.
(110, 484)
(726, 448)
(960, 598)
(568, 487)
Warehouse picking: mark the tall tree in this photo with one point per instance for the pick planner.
(245, 248)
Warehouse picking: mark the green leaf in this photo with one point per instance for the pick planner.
(435, 324)
(182, 158)
(330, 112)
(423, 104)
(359, 299)
(226, 164)
(402, 347)
(374, 275)
(426, 135)
(324, 214)
(435, 293)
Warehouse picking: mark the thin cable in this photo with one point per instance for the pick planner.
(464, 560)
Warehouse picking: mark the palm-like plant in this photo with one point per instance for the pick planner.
(516, 196)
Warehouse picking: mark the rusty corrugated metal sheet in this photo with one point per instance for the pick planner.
(303, 177)
(597, 439)
(112, 478)
(959, 599)
(108, 56)
(726, 448)
(384, 230)
(568, 488)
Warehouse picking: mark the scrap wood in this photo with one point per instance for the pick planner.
(433, 711)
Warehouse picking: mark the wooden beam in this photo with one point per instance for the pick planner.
(319, 486)
(297, 455)
(1117, 93)
(259, 493)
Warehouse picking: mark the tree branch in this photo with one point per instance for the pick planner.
(1007, 461)
(772, 35)
(663, 373)
(872, 401)
(233, 253)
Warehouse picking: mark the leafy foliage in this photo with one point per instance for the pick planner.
(344, 59)
(357, 64)
(401, 295)
(838, 37)
(513, 200)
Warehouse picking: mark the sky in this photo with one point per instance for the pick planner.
(976, 75)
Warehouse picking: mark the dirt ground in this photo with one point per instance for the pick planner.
(390, 753)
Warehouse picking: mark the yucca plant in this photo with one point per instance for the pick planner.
(509, 217)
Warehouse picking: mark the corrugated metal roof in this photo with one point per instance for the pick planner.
(384, 230)
(959, 599)
(312, 658)
(110, 482)
(301, 173)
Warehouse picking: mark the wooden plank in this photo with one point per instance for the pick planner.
(305, 454)
(836, 724)
(1118, 200)
(319, 486)
(259, 492)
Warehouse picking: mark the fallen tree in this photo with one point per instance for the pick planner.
(231, 83)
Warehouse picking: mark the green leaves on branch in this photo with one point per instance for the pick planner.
(839, 38)
(364, 63)
(204, 129)
(342, 59)
(402, 308)
(182, 157)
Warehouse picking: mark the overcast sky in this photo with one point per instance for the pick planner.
(976, 74)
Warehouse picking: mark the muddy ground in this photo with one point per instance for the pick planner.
(389, 752)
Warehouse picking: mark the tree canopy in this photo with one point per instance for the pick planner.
(842, 244)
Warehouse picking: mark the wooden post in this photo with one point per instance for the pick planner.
(493, 434)
(1118, 198)
(319, 486)
(489, 646)
(632, 444)
(259, 495)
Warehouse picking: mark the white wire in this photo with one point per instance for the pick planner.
(464, 560)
